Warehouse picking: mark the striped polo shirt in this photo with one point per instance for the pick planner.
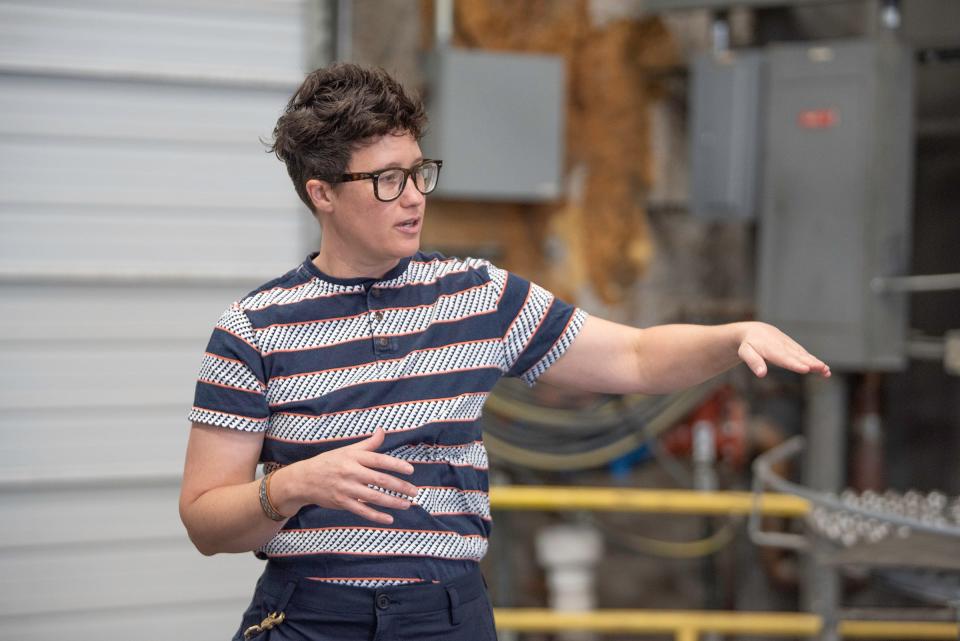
(316, 363)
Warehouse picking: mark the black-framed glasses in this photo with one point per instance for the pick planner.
(388, 184)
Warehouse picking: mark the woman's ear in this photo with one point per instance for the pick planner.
(321, 194)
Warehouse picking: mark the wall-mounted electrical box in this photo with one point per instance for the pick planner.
(835, 213)
(724, 134)
(497, 121)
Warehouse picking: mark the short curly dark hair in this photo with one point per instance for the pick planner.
(334, 111)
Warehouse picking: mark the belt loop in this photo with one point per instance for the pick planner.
(274, 618)
(285, 597)
(454, 605)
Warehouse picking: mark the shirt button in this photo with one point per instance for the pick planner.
(383, 601)
(375, 292)
(378, 315)
(382, 342)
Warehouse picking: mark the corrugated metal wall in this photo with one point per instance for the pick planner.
(136, 202)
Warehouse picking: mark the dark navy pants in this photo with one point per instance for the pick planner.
(455, 610)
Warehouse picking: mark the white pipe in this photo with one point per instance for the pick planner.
(443, 23)
(569, 555)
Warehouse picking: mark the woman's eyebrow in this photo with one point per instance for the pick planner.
(396, 165)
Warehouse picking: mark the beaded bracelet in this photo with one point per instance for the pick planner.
(265, 503)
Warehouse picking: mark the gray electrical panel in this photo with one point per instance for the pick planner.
(836, 198)
(724, 135)
(497, 121)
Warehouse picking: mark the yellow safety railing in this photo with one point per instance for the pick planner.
(688, 625)
(606, 499)
(685, 625)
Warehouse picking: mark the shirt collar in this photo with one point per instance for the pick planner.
(366, 282)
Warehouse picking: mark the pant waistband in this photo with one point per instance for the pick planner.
(399, 599)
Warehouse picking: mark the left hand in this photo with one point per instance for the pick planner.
(761, 343)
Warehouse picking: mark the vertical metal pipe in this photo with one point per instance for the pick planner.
(443, 23)
(343, 32)
(824, 470)
(503, 564)
(705, 480)
(720, 32)
(890, 15)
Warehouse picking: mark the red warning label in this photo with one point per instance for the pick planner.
(818, 118)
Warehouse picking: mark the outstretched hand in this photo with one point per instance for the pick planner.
(761, 343)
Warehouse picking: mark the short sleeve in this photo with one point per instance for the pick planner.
(230, 387)
(538, 327)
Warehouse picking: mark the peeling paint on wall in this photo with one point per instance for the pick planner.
(598, 236)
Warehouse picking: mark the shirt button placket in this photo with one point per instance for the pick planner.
(380, 343)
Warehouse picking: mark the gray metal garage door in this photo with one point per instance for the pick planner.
(136, 202)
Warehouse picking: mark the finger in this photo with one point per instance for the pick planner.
(371, 495)
(363, 510)
(753, 360)
(799, 352)
(796, 365)
(822, 368)
(815, 364)
(360, 473)
(370, 444)
(391, 483)
(805, 365)
(385, 462)
(789, 361)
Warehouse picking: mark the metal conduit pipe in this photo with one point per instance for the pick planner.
(916, 283)
(763, 474)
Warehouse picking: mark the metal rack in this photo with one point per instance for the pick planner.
(688, 625)
(897, 532)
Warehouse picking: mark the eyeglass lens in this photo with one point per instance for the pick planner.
(390, 183)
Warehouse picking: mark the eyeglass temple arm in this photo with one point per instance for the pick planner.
(345, 178)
